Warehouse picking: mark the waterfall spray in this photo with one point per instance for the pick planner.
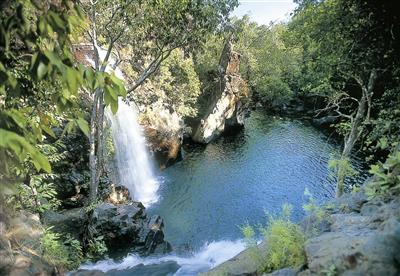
(134, 165)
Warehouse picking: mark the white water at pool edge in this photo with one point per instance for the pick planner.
(208, 257)
(134, 164)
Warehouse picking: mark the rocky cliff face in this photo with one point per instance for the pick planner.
(227, 105)
(163, 129)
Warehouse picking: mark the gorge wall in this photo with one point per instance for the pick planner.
(227, 105)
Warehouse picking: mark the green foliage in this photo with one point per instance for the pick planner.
(40, 81)
(341, 43)
(268, 63)
(176, 85)
(284, 241)
(38, 192)
(330, 271)
(312, 208)
(343, 165)
(96, 248)
(274, 91)
(249, 235)
(39, 196)
(386, 182)
(342, 169)
(62, 252)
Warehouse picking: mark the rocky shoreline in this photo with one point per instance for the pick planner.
(356, 237)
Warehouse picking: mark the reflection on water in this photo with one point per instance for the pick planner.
(236, 179)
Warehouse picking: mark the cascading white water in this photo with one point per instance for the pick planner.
(134, 165)
(209, 256)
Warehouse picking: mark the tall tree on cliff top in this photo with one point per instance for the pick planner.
(150, 31)
(348, 47)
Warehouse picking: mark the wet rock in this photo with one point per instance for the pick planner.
(127, 227)
(227, 106)
(248, 262)
(161, 269)
(118, 195)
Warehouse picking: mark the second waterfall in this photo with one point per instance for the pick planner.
(135, 168)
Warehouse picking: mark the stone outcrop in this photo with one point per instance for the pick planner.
(128, 227)
(227, 105)
(164, 134)
(360, 242)
(123, 227)
(72, 221)
(358, 237)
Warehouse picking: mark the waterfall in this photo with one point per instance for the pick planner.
(134, 165)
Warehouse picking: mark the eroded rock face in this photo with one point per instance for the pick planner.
(127, 226)
(164, 134)
(359, 243)
(228, 105)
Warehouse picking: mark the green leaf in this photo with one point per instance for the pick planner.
(72, 80)
(20, 146)
(68, 128)
(112, 92)
(17, 117)
(41, 70)
(48, 130)
(114, 106)
(83, 125)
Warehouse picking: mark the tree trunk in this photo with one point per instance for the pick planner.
(100, 144)
(92, 152)
(363, 112)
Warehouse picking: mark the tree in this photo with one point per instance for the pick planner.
(348, 47)
(39, 83)
(149, 31)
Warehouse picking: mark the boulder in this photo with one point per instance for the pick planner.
(248, 262)
(227, 106)
(127, 227)
(365, 243)
(159, 269)
(71, 221)
(284, 272)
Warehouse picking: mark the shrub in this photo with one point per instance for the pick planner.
(284, 240)
(96, 248)
(386, 181)
(60, 252)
